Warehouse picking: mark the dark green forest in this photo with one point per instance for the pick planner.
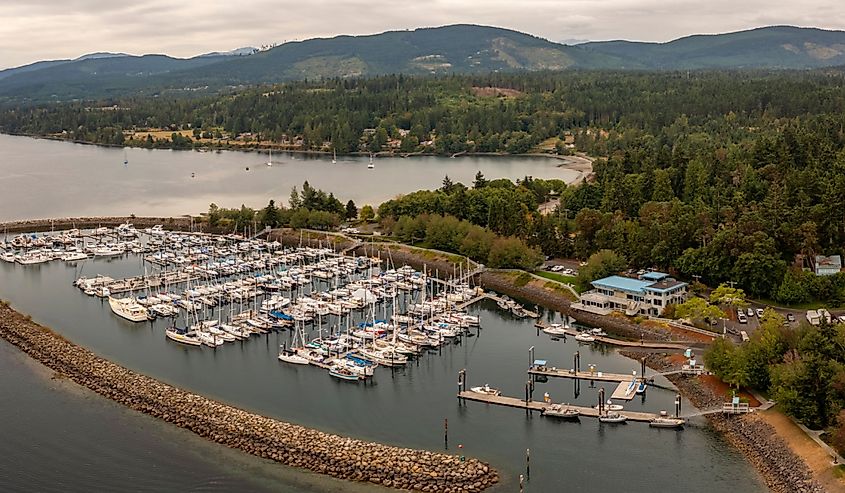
(730, 176)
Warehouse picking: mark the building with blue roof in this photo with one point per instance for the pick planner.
(648, 295)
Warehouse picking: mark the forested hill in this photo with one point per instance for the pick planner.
(459, 49)
(769, 47)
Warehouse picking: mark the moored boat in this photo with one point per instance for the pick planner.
(556, 329)
(486, 390)
(182, 336)
(667, 422)
(129, 309)
(584, 337)
(561, 411)
(343, 373)
(613, 417)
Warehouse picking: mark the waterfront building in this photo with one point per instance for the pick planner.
(647, 295)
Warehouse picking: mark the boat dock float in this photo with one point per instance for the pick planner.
(587, 412)
(598, 376)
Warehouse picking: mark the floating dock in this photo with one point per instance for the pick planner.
(587, 412)
(598, 376)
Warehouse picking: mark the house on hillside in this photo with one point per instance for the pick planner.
(647, 295)
(827, 265)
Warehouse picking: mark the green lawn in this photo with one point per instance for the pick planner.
(554, 276)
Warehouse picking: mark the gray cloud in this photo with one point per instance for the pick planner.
(47, 29)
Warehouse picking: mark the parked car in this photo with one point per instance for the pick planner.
(759, 312)
(557, 268)
(790, 317)
(841, 319)
(740, 317)
(750, 312)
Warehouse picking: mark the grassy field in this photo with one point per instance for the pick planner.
(554, 276)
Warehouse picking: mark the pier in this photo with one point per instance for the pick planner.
(531, 405)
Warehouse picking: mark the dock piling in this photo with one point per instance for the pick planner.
(528, 464)
(446, 433)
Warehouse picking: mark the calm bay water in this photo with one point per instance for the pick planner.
(404, 407)
(57, 438)
(44, 179)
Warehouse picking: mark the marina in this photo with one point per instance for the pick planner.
(413, 397)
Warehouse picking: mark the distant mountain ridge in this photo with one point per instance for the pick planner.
(778, 47)
(461, 48)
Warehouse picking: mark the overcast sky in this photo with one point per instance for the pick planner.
(32, 30)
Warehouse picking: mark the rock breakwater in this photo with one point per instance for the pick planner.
(289, 444)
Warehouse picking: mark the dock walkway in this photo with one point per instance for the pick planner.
(598, 376)
(588, 412)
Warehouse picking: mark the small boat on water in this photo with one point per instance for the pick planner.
(486, 390)
(641, 387)
(343, 373)
(612, 407)
(613, 417)
(562, 412)
(129, 309)
(667, 422)
(371, 165)
(584, 337)
(290, 356)
(556, 329)
(182, 336)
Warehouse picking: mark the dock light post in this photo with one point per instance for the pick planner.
(677, 405)
(530, 356)
(577, 361)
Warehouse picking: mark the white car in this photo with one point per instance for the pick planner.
(557, 268)
(741, 318)
(759, 312)
(750, 312)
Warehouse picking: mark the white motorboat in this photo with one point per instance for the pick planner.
(562, 412)
(556, 329)
(486, 390)
(613, 417)
(612, 407)
(666, 422)
(584, 337)
(129, 309)
(73, 256)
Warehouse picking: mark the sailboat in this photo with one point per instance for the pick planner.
(291, 355)
(371, 165)
(270, 158)
(334, 156)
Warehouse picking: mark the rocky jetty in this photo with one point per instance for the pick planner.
(290, 444)
(781, 469)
